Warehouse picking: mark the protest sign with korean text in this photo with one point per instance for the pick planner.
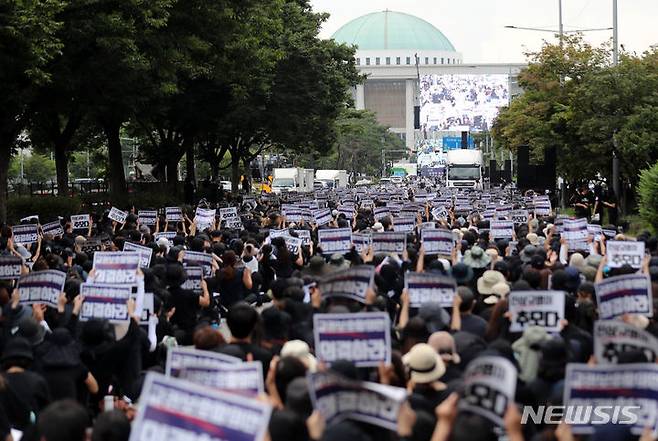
(80, 221)
(338, 398)
(389, 242)
(115, 267)
(362, 338)
(381, 212)
(619, 295)
(10, 267)
(25, 234)
(624, 252)
(178, 410)
(404, 224)
(194, 279)
(519, 216)
(147, 217)
(169, 235)
(429, 288)
(361, 241)
(53, 228)
(204, 218)
(41, 287)
(145, 253)
(536, 308)
(106, 301)
(173, 214)
(619, 394)
(245, 378)
(575, 233)
(336, 240)
(351, 283)
(613, 337)
(489, 386)
(118, 215)
(439, 241)
(179, 358)
(305, 236)
(499, 229)
(199, 258)
(322, 217)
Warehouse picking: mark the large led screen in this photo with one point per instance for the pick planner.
(461, 100)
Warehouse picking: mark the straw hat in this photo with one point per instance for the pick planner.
(424, 363)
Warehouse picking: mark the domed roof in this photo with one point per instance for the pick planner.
(392, 30)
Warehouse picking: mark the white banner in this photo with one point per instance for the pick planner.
(118, 215)
(180, 358)
(145, 253)
(613, 337)
(351, 283)
(501, 229)
(25, 234)
(624, 252)
(115, 267)
(429, 288)
(439, 241)
(41, 287)
(338, 240)
(619, 295)
(536, 308)
(389, 242)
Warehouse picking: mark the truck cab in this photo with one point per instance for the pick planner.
(464, 169)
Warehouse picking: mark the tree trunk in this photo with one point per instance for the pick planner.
(172, 172)
(62, 169)
(117, 174)
(189, 161)
(5, 157)
(235, 173)
(246, 184)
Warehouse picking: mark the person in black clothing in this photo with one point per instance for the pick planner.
(582, 202)
(242, 320)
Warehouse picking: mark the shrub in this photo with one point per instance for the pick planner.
(648, 196)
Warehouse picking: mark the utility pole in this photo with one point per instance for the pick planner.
(615, 60)
(560, 24)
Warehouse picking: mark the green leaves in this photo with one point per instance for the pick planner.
(648, 196)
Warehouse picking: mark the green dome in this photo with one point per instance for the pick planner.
(392, 30)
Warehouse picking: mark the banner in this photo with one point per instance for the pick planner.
(80, 221)
(536, 308)
(115, 267)
(501, 229)
(439, 241)
(542, 206)
(322, 217)
(429, 288)
(633, 387)
(174, 214)
(381, 212)
(347, 210)
(178, 410)
(228, 213)
(198, 258)
(624, 252)
(180, 358)
(305, 236)
(594, 230)
(147, 217)
(338, 398)
(105, 301)
(204, 218)
(337, 240)
(575, 233)
(245, 378)
(351, 283)
(91, 245)
(293, 244)
(118, 215)
(194, 278)
(41, 287)
(10, 267)
(33, 219)
(404, 224)
(53, 228)
(169, 235)
(427, 226)
(613, 337)
(389, 242)
(363, 338)
(439, 213)
(145, 253)
(489, 386)
(361, 241)
(25, 234)
(519, 216)
(630, 293)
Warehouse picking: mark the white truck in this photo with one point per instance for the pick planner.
(332, 178)
(292, 179)
(464, 168)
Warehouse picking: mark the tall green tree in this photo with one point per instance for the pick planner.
(28, 41)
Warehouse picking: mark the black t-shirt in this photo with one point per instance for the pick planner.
(259, 353)
(586, 199)
(66, 382)
(186, 303)
(474, 324)
(32, 394)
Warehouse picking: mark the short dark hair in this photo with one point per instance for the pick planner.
(111, 426)
(241, 319)
(64, 420)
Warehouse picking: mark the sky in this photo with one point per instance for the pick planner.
(476, 27)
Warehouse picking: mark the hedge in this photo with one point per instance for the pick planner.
(47, 207)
